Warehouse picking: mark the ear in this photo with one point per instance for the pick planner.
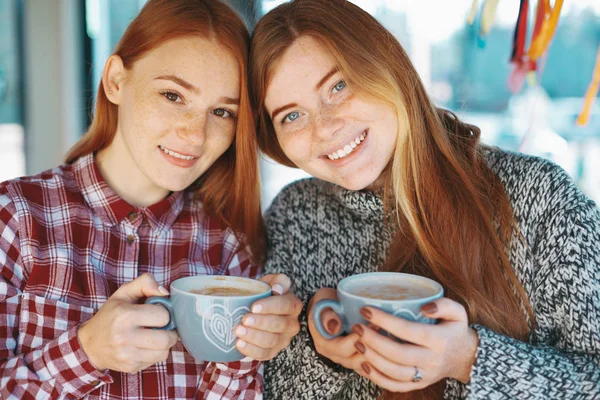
(113, 78)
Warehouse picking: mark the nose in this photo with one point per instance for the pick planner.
(327, 124)
(193, 130)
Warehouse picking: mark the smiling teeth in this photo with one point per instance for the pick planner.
(347, 149)
(176, 155)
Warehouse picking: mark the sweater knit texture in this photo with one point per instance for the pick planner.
(320, 233)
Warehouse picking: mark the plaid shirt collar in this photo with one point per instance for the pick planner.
(112, 209)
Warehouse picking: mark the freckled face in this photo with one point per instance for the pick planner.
(323, 124)
(177, 112)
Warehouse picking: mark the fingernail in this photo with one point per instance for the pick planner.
(429, 308)
(359, 330)
(163, 290)
(241, 344)
(365, 312)
(250, 321)
(240, 330)
(277, 288)
(257, 308)
(332, 326)
(365, 367)
(360, 347)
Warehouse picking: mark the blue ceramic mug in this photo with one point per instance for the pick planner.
(206, 322)
(396, 293)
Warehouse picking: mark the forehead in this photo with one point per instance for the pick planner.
(203, 62)
(300, 68)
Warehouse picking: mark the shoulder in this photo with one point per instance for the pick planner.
(534, 182)
(28, 191)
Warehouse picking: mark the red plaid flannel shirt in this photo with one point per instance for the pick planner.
(67, 242)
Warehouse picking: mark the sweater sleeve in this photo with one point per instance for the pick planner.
(290, 370)
(566, 301)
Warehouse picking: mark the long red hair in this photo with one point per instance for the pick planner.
(230, 189)
(454, 218)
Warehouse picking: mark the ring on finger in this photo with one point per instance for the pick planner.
(417, 377)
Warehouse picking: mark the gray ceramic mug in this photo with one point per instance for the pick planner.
(206, 323)
(350, 303)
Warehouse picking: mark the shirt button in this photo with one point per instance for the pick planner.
(95, 383)
(130, 239)
(132, 216)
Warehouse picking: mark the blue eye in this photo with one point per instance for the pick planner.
(291, 117)
(339, 87)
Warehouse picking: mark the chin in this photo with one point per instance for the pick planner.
(355, 184)
(174, 185)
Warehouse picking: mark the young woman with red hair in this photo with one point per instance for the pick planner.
(404, 186)
(163, 185)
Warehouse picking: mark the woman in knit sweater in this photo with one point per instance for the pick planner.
(404, 186)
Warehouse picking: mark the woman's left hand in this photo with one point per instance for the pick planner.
(273, 322)
(434, 352)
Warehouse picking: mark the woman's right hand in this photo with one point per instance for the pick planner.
(117, 338)
(340, 350)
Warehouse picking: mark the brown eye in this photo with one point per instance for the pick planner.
(221, 112)
(171, 96)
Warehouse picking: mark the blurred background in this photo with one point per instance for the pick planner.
(52, 53)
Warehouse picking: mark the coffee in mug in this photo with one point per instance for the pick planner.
(225, 291)
(392, 291)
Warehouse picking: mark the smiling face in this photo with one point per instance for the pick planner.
(324, 125)
(177, 115)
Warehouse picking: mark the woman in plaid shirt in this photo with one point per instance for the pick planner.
(164, 185)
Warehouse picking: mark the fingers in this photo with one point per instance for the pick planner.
(253, 351)
(414, 332)
(342, 347)
(287, 304)
(445, 309)
(151, 339)
(280, 283)
(388, 383)
(147, 315)
(272, 323)
(390, 349)
(331, 321)
(387, 367)
(143, 286)
(262, 339)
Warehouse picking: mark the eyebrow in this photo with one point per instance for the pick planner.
(318, 86)
(333, 71)
(181, 82)
(229, 100)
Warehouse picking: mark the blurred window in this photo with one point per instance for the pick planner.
(12, 155)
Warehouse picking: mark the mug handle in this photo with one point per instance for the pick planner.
(316, 317)
(166, 303)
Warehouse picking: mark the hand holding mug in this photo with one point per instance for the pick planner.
(117, 338)
(272, 322)
(340, 350)
(430, 352)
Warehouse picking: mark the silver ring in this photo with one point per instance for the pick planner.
(417, 377)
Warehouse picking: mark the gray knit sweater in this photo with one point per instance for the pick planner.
(320, 233)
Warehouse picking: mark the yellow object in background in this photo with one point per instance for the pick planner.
(488, 14)
(590, 95)
(540, 43)
(472, 12)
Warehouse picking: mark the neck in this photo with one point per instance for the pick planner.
(125, 178)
